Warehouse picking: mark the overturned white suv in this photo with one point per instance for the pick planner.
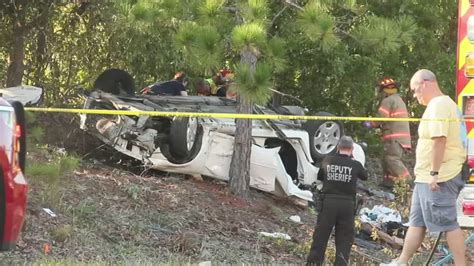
(284, 152)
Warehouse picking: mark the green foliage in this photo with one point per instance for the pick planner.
(46, 176)
(84, 210)
(145, 11)
(208, 47)
(249, 35)
(254, 11)
(49, 175)
(210, 12)
(318, 25)
(48, 172)
(341, 3)
(385, 36)
(187, 34)
(402, 198)
(68, 164)
(256, 85)
(124, 7)
(62, 233)
(201, 45)
(276, 50)
(136, 192)
(407, 28)
(35, 133)
(133, 190)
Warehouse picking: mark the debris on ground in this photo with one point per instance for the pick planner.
(276, 235)
(376, 192)
(50, 212)
(384, 223)
(378, 233)
(379, 215)
(295, 218)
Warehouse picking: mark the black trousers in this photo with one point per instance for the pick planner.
(336, 212)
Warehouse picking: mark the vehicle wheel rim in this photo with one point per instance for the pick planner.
(326, 137)
(191, 132)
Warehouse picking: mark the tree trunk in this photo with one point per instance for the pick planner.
(41, 55)
(16, 56)
(41, 45)
(239, 172)
(240, 166)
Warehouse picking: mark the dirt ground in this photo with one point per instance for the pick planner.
(109, 215)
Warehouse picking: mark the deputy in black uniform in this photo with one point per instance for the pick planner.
(339, 174)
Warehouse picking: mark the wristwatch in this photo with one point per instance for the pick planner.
(433, 173)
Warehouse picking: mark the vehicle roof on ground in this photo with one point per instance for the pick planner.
(24, 94)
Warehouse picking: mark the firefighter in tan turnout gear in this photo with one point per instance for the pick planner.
(395, 134)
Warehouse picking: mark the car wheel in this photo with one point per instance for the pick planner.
(323, 136)
(185, 138)
(20, 121)
(115, 81)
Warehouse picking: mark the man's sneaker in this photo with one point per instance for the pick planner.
(394, 263)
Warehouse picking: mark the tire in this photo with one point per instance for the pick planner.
(115, 81)
(21, 121)
(323, 136)
(185, 138)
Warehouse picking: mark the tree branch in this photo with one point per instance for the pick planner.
(291, 3)
(277, 15)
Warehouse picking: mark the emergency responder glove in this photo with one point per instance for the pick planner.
(367, 124)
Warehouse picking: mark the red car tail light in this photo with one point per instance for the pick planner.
(468, 208)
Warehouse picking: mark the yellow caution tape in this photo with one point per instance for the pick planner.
(233, 116)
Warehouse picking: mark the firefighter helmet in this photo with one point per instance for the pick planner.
(388, 83)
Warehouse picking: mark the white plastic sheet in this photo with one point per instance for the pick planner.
(379, 214)
(276, 235)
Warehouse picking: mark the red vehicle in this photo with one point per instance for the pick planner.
(13, 185)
